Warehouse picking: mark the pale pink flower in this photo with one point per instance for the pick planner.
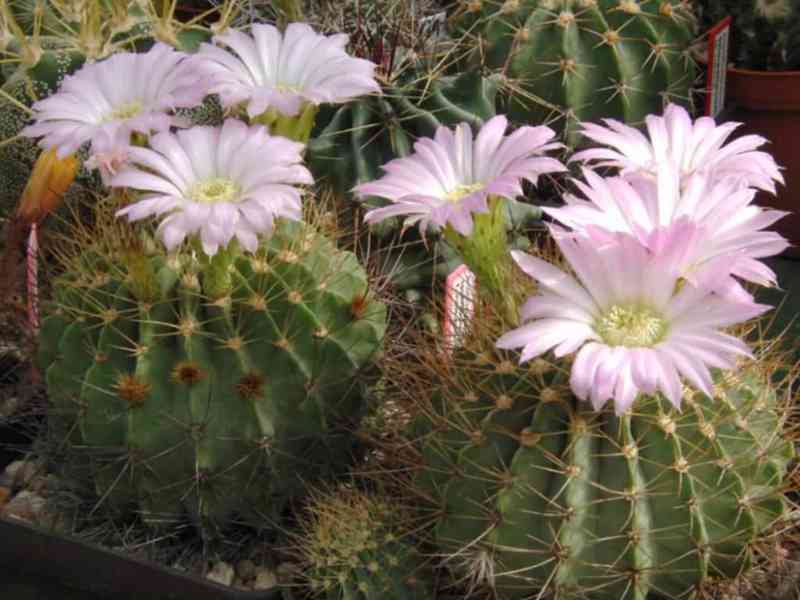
(221, 182)
(634, 330)
(449, 177)
(283, 71)
(693, 147)
(110, 153)
(108, 100)
(728, 223)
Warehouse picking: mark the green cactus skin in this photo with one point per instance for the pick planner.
(583, 60)
(210, 405)
(351, 144)
(354, 549)
(535, 493)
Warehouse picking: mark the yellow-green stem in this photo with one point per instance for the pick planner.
(297, 128)
(217, 279)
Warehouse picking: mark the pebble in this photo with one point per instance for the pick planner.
(222, 573)
(9, 406)
(266, 579)
(21, 472)
(246, 569)
(25, 506)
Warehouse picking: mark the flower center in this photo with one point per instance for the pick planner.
(215, 189)
(631, 326)
(462, 190)
(124, 111)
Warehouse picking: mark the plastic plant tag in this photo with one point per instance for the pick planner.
(718, 39)
(459, 306)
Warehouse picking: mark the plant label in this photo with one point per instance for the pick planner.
(459, 306)
(718, 39)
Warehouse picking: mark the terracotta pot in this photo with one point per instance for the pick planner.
(768, 103)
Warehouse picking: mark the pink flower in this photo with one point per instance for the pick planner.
(728, 224)
(283, 71)
(633, 330)
(221, 182)
(450, 176)
(692, 147)
(109, 100)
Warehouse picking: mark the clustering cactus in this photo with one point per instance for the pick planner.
(535, 493)
(764, 33)
(581, 60)
(353, 547)
(206, 391)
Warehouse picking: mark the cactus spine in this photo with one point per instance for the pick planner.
(534, 493)
(210, 389)
(353, 548)
(582, 60)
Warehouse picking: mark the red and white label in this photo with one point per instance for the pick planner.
(718, 39)
(459, 306)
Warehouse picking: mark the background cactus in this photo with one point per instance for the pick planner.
(355, 546)
(765, 34)
(581, 60)
(532, 492)
(208, 392)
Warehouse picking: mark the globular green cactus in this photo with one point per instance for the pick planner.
(354, 547)
(533, 492)
(207, 390)
(581, 60)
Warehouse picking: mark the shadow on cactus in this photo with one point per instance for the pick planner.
(179, 397)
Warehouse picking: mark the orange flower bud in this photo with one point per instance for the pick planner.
(50, 179)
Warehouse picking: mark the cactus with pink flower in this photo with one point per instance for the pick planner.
(614, 436)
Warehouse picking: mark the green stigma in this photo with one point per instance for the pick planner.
(215, 189)
(462, 190)
(124, 111)
(631, 326)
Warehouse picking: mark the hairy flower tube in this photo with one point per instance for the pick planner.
(221, 182)
(111, 99)
(691, 146)
(284, 74)
(457, 183)
(729, 225)
(635, 330)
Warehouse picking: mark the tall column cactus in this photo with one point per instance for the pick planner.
(580, 60)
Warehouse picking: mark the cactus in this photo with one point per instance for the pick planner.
(582, 60)
(205, 391)
(764, 34)
(533, 493)
(353, 547)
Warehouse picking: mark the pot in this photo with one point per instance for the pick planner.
(768, 103)
(65, 561)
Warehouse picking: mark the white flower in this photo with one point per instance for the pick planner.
(109, 100)
(449, 177)
(634, 330)
(223, 182)
(692, 147)
(283, 71)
